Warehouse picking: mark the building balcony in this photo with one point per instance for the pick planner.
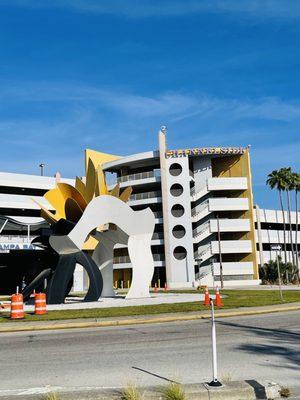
(227, 184)
(232, 246)
(145, 198)
(139, 179)
(228, 204)
(276, 236)
(15, 239)
(15, 201)
(124, 261)
(234, 268)
(230, 225)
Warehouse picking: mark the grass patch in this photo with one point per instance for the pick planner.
(285, 392)
(234, 299)
(50, 396)
(173, 391)
(131, 392)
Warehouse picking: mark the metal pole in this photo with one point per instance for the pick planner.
(279, 277)
(215, 381)
(187, 268)
(220, 253)
(42, 169)
(3, 226)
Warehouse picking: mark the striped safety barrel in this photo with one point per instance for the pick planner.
(17, 306)
(40, 304)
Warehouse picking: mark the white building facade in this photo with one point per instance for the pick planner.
(206, 220)
(206, 223)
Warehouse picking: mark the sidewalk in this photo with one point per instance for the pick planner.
(240, 390)
(19, 326)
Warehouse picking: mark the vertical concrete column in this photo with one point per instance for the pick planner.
(162, 140)
(178, 236)
(260, 246)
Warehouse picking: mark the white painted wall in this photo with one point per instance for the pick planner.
(227, 184)
(230, 225)
(228, 204)
(232, 246)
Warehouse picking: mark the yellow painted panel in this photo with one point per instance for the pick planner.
(239, 166)
(69, 191)
(90, 244)
(57, 200)
(46, 214)
(90, 180)
(126, 194)
(80, 186)
(72, 210)
(115, 191)
(98, 158)
(101, 187)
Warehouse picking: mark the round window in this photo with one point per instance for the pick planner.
(175, 169)
(176, 190)
(177, 210)
(179, 253)
(178, 231)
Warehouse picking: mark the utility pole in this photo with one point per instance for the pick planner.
(42, 168)
(277, 247)
(220, 253)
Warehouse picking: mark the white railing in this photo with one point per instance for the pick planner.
(202, 207)
(205, 227)
(126, 259)
(140, 175)
(206, 250)
(16, 239)
(194, 192)
(146, 195)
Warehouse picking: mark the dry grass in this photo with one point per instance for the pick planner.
(50, 396)
(173, 391)
(285, 392)
(131, 392)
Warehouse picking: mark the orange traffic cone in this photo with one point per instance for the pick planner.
(218, 300)
(40, 304)
(155, 288)
(17, 306)
(166, 287)
(206, 297)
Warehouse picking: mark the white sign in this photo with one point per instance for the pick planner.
(275, 247)
(6, 247)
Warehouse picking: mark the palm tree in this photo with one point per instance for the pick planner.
(289, 182)
(277, 180)
(296, 187)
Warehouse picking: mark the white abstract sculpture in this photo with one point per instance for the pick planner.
(134, 228)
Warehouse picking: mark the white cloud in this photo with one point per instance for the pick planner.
(177, 106)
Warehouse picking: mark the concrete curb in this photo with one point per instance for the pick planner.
(242, 390)
(26, 326)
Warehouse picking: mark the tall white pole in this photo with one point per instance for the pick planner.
(215, 381)
(279, 277)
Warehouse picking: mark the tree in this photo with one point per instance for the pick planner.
(287, 173)
(269, 272)
(295, 185)
(277, 180)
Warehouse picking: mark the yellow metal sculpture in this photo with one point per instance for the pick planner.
(69, 202)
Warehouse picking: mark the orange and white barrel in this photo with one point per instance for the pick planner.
(40, 307)
(17, 306)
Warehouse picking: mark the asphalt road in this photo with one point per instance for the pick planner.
(256, 347)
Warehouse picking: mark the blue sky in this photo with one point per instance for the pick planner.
(105, 74)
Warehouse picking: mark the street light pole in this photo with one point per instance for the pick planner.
(42, 168)
(220, 253)
(276, 248)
